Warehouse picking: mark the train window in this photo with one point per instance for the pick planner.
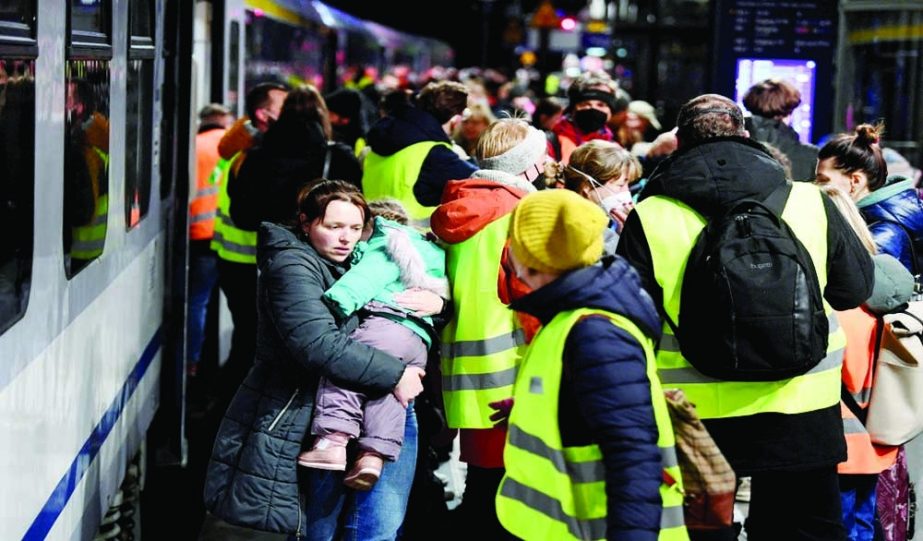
(17, 185)
(138, 130)
(140, 13)
(86, 162)
(139, 113)
(17, 18)
(90, 22)
(233, 67)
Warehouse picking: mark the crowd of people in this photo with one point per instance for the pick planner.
(441, 267)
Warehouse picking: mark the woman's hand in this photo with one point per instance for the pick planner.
(410, 385)
(420, 301)
(619, 215)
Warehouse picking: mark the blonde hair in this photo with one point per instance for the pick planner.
(501, 136)
(602, 160)
(850, 211)
(389, 209)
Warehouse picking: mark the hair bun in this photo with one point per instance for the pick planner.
(868, 135)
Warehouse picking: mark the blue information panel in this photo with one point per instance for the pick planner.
(793, 40)
(801, 73)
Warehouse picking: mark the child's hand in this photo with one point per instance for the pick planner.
(420, 301)
(502, 415)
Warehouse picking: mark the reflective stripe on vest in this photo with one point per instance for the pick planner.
(204, 205)
(394, 177)
(89, 239)
(671, 228)
(230, 242)
(483, 344)
(551, 491)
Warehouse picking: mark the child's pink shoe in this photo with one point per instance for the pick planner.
(326, 454)
(365, 472)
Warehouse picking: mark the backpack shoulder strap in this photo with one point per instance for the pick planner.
(552, 138)
(776, 200)
(327, 156)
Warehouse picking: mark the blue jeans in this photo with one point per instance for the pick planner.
(203, 275)
(857, 493)
(375, 515)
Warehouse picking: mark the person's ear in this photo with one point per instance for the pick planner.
(856, 178)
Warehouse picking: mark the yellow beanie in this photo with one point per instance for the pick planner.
(556, 231)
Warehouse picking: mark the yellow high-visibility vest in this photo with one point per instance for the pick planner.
(394, 177)
(555, 492)
(229, 241)
(483, 343)
(671, 228)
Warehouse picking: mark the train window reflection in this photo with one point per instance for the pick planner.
(17, 186)
(233, 69)
(138, 129)
(17, 13)
(141, 18)
(86, 162)
(89, 16)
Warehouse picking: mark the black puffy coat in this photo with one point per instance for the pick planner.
(783, 137)
(252, 475)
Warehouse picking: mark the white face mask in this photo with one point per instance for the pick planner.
(614, 200)
(617, 201)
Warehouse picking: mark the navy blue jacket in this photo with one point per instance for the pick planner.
(407, 126)
(605, 392)
(894, 214)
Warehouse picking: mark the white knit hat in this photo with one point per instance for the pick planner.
(521, 157)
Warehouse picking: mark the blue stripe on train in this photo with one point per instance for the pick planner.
(78, 468)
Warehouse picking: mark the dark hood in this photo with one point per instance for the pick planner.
(273, 239)
(772, 131)
(712, 175)
(613, 286)
(406, 126)
(293, 139)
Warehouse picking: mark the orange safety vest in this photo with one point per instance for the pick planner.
(864, 457)
(204, 202)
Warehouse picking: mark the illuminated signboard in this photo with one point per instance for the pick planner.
(801, 73)
(787, 39)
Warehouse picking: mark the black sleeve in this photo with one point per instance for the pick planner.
(607, 371)
(633, 247)
(246, 198)
(850, 271)
(344, 165)
(441, 165)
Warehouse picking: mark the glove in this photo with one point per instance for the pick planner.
(502, 415)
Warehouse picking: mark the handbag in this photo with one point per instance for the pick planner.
(895, 411)
(709, 482)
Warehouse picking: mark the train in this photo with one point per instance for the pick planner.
(97, 120)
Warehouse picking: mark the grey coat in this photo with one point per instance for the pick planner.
(252, 477)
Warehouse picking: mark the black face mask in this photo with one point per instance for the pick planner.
(589, 120)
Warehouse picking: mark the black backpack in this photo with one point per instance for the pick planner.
(751, 307)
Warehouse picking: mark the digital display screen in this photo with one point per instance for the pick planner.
(801, 73)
